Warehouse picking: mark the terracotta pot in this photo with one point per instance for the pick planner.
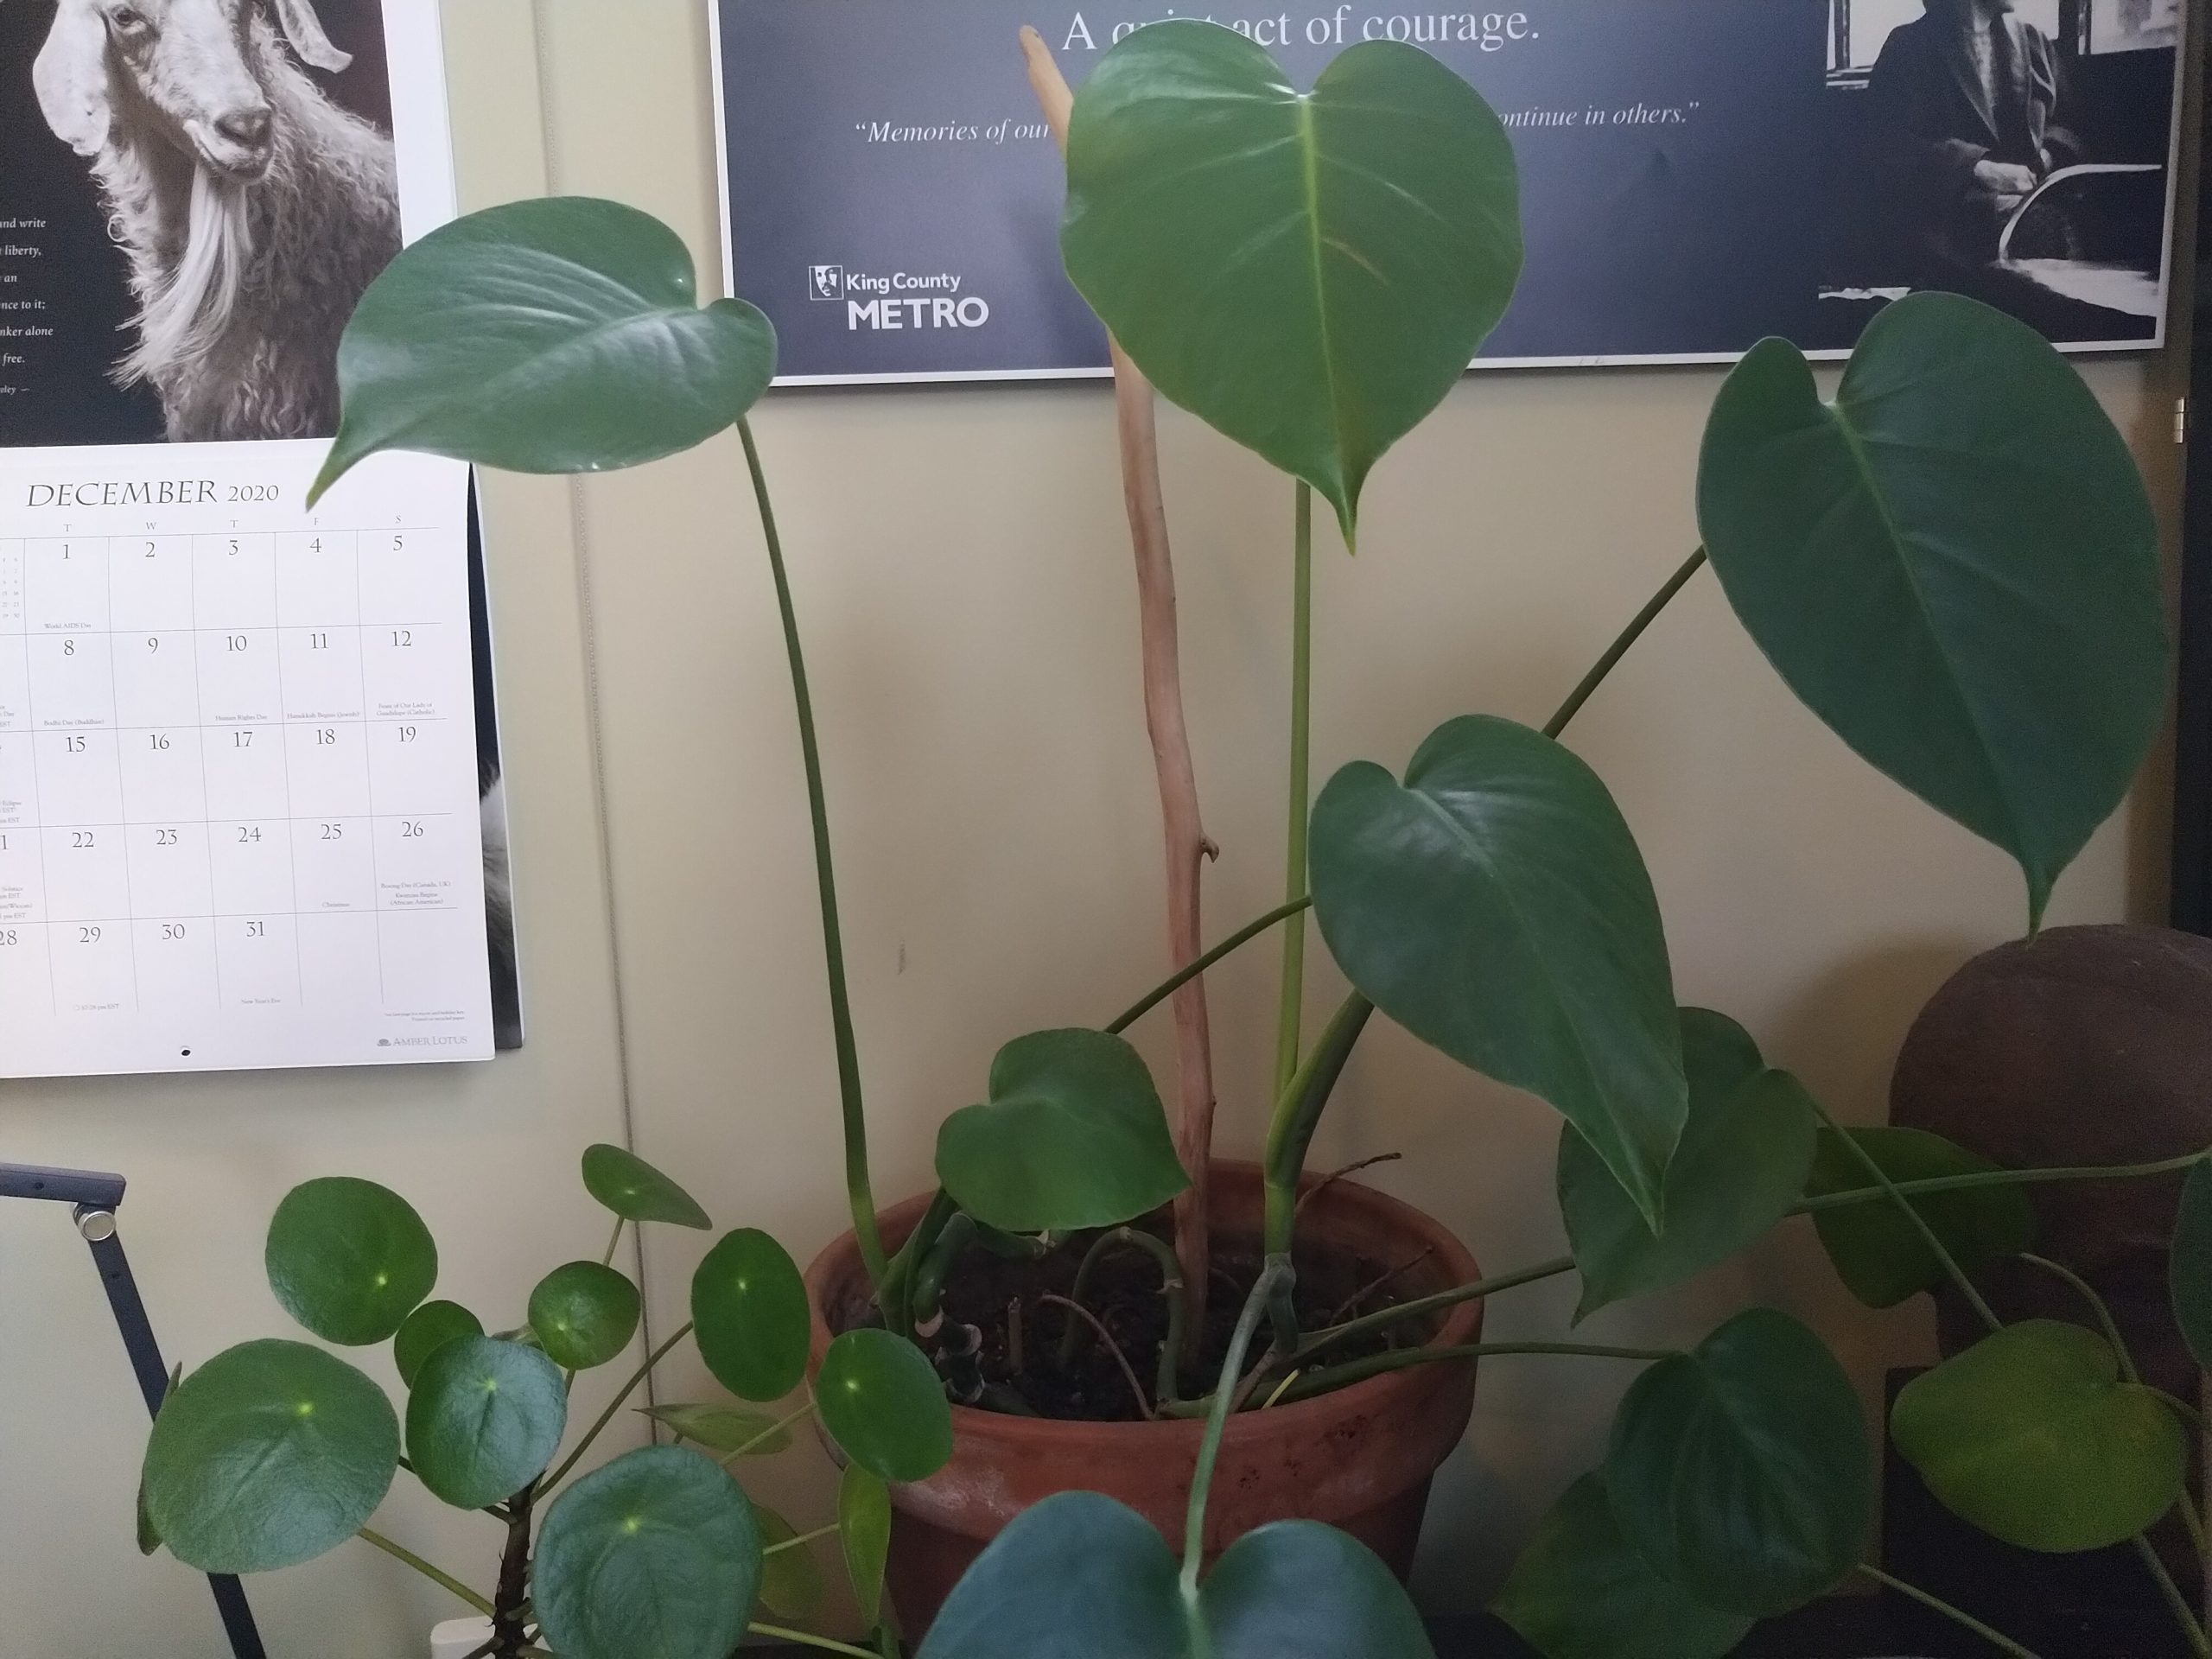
(1361, 1458)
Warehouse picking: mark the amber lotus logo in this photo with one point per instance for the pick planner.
(825, 281)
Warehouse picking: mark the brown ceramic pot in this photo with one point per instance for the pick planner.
(1361, 1458)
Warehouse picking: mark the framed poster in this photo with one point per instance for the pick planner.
(1697, 174)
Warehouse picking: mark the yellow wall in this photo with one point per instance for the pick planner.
(962, 573)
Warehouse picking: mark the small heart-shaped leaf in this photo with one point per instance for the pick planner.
(2031, 1436)
(635, 1191)
(584, 1314)
(483, 1418)
(724, 1430)
(750, 1305)
(1877, 1252)
(883, 1403)
(864, 1533)
(427, 1329)
(1073, 1136)
(349, 1259)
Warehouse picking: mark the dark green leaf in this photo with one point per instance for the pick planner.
(1956, 565)
(584, 1314)
(485, 1418)
(724, 1429)
(791, 1583)
(349, 1259)
(427, 1329)
(1309, 272)
(267, 1456)
(655, 1556)
(1073, 1136)
(635, 1191)
(1877, 1252)
(1580, 1591)
(1744, 1156)
(1741, 1472)
(883, 1402)
(864, 1533)
(2031, 1436)
(1496, 906)
(2189, 1270)
(555, 336)
(750, 1307)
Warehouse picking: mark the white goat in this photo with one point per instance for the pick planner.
(254, 211)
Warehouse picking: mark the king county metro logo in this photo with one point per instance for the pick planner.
(825, 281)
(900, 301)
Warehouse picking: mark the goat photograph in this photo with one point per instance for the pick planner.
(223, 173)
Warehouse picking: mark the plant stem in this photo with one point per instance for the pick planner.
(2098, 1305)
(1274, 1279)
(801, 1541)
(778, 1633)
(858, 1186)
(898, 1285)
(1435, 1304)
(925, 1287)
(1298, 1114)
(400, 1553)
(2002, 1178)
(613, 1406)
(1330, 1379)
(1167, 988)
(612, 1244)
(512, 1596)
(1291, 1003)
(769, 1434)
(1936, 1603)
(1171, 1287)
(1620, 647)
(2191, 1627)
(1919, 1223)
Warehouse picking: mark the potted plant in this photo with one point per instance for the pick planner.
(1952, 565)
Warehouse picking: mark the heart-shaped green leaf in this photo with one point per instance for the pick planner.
(655, 1556)
(267, 1456)
(635, 1191)
(1877, 1252)
(792, 1587)
(1310, 272)
(1741, 1167)
(1080, 1576)
(349, 1259)
(1956, 565)
(1580, 1591)
(1496, 906)
(724, 1430)
(883, 1403)
(150, 1536)
(2031, 1436)
(483, 1417)
(749, 1305)
(1741, 1472)
(864, 1533)
(555, 336)
(584, 1314)
(1073, 1136)
(2188, 1268)
(427, 1329)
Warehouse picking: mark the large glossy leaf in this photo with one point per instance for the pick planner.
(2031, 1436)
(884, 1404)
(1496, 906)
(483, 1417)
(1309, 272)
(555, 336)
(655, 1556)
(267, 1456)
(1741, 1470)
(349, 1259)
(1073, 1136)
(792, 1586)
(864, 1535)
(748, 1304)
(427, 1329)
(2188, 1269)
(584, 1314)
(1744, 1154)
(724, 1430)
(1956, 565)
(1079, 1576)
(1877, 1252)
(1580, 1591)
(635, 1191)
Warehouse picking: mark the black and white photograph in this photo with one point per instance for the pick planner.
(196, 193)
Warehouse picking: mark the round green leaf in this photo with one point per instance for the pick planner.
(655, 1556)
(1744, 1154)
(1956, 565)
(2031, 1436)
(485, 1418)
(1300, 1590)
(1073, 1136)
(427, 1329)
(749, 1305)
(349, 1259)
(1309, 272)
(1741, 1472)
(2188, 1269)
(1580, 1591)
(883, 1403)
(267, 1456)
(635, 1191)
(1877, 1252)
(553, 336)
(864, 1533)
(584, 1314)
(792, 1587)
(1496, 906)
(724, 1430)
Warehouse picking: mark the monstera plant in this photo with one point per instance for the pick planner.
(1951, 561)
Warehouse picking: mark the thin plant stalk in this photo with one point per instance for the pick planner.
(1236, 941)
(1400, 1359)
(1275, 1279)
(1620, 647)
(613, 1406)
(445, 1580)
(1478, 1290)
(1171, 1289)
(1291, 1002)
(1980, 1178)
(2192, 1627)
(1965, 1620)
(806, 1639)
